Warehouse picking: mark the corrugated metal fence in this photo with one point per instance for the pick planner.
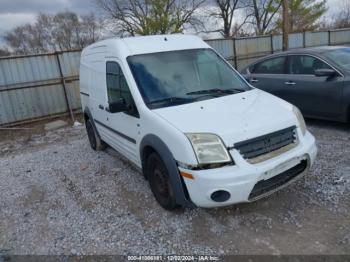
(242, 51)
(37, 86)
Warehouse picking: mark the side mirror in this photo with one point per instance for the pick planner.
(325, 72)
(117, 106)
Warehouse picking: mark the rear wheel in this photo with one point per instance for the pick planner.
(158, 176)
(95, 141)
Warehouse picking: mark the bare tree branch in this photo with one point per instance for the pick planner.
(226, 11)
(264, 13)
(145, 17)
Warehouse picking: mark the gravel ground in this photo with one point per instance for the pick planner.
(57, 196)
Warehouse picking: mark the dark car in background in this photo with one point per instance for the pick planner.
(317, 80)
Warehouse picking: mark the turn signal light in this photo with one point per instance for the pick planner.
(186, 175)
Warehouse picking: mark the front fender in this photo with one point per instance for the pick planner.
(176, 181)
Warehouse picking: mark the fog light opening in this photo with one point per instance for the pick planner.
(220, 196)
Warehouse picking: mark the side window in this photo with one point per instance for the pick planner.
(270, 66)
(117, 87)
(113, 82)
(305, 65)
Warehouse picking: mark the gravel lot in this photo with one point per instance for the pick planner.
(57, 196)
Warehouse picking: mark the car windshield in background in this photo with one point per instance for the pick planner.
(181, 77)
(341, 57)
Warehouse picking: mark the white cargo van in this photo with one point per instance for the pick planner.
(200, 133)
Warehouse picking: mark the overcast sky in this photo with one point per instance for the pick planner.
(18, 12)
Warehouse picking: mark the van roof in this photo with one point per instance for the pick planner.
(124, 47)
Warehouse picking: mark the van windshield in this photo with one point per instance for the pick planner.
(186, 76)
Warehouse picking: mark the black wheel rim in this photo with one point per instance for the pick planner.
(161, 181)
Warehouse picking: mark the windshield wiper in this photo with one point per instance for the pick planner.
(170, 101)
(216, 91)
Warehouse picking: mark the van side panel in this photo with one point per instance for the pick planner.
(84, 86)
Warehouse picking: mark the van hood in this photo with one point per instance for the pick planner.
(234, 118)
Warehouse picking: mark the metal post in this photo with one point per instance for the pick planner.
(304, 39)
(329, 38)
(64, 86)
(235, 53)
(271, 42)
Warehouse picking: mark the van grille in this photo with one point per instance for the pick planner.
(262, 145)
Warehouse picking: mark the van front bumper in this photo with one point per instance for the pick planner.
(246, 182)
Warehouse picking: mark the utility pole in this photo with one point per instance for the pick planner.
(285, 6)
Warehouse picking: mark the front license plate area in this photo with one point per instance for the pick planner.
(283, 167)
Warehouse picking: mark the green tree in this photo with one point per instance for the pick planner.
(304, 15)
(149, 17)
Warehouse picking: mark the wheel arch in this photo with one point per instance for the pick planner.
(88, 116)
(152, 143)
(144, 154)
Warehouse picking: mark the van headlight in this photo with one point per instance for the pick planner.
(209, 148)
(301, 120)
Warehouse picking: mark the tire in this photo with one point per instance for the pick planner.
(95, 141)
(159, 181)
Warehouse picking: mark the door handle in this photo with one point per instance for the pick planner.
(254, 80)
(101, 107)
(290, 83)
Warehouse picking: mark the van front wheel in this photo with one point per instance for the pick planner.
(158, 176)
(95, 142)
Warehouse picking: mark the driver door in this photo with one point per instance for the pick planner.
(121, 128)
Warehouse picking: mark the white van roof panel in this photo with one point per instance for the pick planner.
(163, 43)
(149, 44)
